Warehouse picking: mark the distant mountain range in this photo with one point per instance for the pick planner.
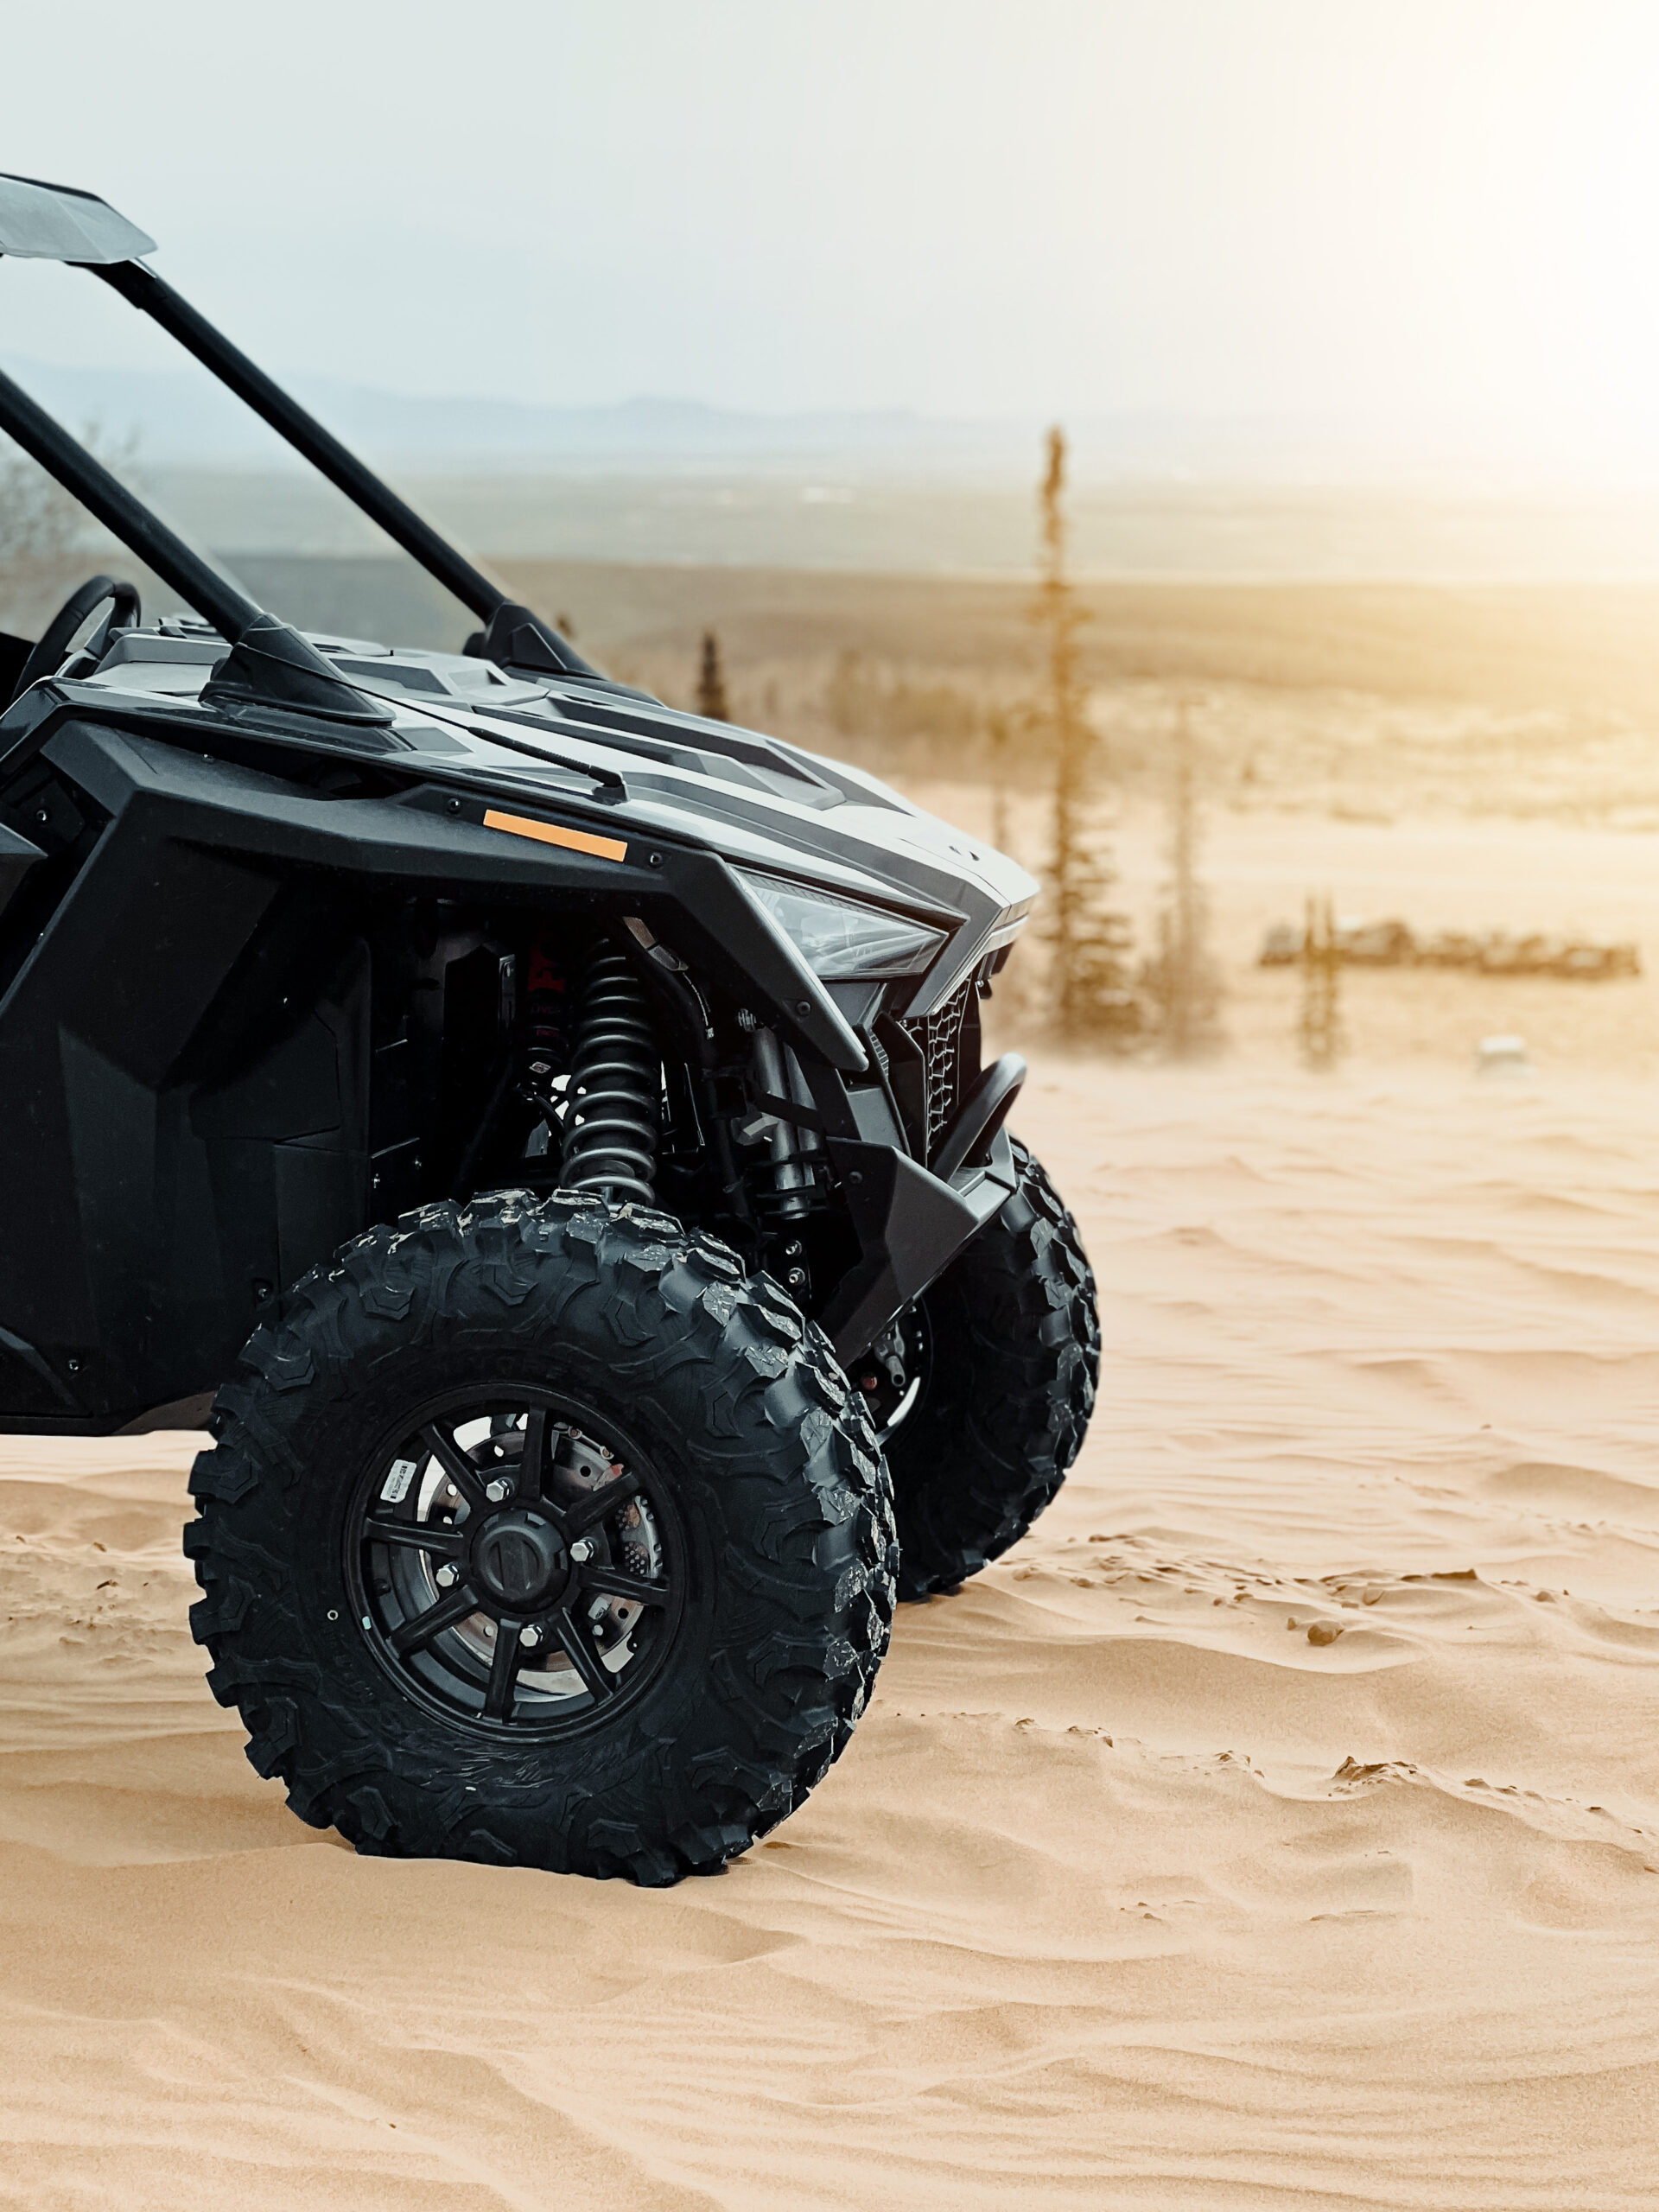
(675, 481)
(183, 419)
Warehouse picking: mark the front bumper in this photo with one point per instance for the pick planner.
(912, 1225)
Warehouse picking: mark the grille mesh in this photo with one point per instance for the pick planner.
(939, 1036)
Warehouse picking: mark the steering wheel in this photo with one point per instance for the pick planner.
(47, 656)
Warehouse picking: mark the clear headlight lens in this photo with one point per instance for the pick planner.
(841, 940)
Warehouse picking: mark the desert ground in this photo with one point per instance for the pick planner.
(1278, 1825)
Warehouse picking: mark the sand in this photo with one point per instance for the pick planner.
(1277, 1825)
(1450, 869)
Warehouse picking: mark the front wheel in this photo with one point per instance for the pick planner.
(537, 1534)
(1004, 1353)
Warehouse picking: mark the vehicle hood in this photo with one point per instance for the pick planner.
(605, 755)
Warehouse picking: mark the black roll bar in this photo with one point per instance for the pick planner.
(56, 222)
(108, 500)
(268, 661)
(511, 633)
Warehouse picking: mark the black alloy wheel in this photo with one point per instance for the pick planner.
(511, 1567)
(895, 1375)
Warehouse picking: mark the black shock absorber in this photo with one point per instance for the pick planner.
(615, 1087)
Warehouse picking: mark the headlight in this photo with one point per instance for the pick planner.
(839, 939)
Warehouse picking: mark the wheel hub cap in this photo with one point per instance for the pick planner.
(519, 1560)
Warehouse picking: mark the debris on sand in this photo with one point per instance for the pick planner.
(1392, 943)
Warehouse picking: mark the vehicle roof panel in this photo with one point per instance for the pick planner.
(54, 222)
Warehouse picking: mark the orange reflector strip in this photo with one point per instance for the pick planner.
(549, 833)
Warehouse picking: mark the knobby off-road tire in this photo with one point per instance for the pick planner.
(1010, 1349)
(766, 1474)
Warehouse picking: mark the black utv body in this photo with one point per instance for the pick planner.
(544, 1137)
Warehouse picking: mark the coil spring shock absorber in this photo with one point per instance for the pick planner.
(615, 1087)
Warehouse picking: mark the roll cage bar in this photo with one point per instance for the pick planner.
(268, 661)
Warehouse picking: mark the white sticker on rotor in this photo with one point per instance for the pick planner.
(395, 1488)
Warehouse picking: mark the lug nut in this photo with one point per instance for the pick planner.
(530, 1637)
(447, 1576)
(498, 1490)
(582, 1549)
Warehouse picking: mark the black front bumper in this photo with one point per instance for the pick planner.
(911, 1225)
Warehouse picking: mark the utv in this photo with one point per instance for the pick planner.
(543, 1137)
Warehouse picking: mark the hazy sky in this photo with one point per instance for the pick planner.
(1387, 209)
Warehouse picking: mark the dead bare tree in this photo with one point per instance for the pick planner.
(1319, 1030)
(1090, 993)
(41, 526)
(998, 732)
(40, 521)
(1182, 982)
(711, 682)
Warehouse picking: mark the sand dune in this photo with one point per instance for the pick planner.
(1279, 1825)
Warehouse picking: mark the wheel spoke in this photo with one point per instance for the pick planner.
(530, 1459)
(417, 1536)
(617, 1582)
(584, 1657)
(416, 1635)
(596, 1506)
(504, 1672)
(517, 1479)
(455, 1464)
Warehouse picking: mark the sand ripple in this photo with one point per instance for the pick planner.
(1278, 1826)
